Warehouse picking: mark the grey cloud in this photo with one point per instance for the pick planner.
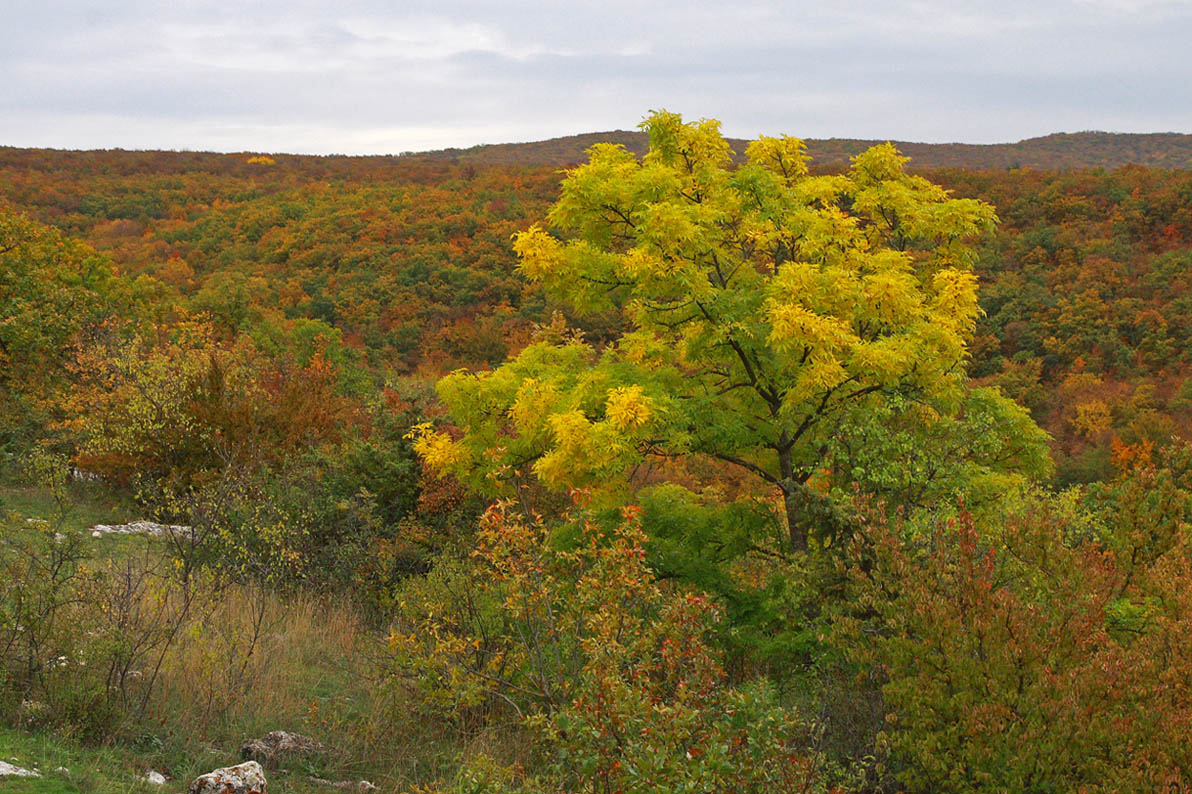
(310, 76)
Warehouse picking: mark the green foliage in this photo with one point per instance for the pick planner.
(51, 290)
(1039, 659)
(1085, 293)
(771, 604)
(760, 342)
(409, 260)
(382, 462)
(989, 448)
(617, 738)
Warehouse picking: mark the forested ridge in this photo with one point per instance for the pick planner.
(702, 464)
(1057, 151)
(1064, 150)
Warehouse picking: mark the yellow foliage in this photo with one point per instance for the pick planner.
(881, 162)
(436, 447)
(627, 408)
(571, 429)
(1092, 418)
(887, 359)
(534, 401)
(760, 307)
(555, 468)
(794, 327)
(537, 252)
(821, 373)
(786, 155)
(956, 298)
(892, 297)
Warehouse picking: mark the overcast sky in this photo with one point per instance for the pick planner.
(364, 77)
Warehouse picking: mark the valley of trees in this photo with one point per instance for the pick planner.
(702, 465)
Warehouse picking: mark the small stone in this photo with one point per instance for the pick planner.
(95, 533)
(156, 777)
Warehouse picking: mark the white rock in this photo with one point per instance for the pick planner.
(246, 778)
(362, 786)
(8, 770)
(139, 528)
(156, 777)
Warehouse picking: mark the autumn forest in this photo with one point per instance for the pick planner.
(636, 462)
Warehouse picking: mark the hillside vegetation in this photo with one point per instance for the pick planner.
(702, 465)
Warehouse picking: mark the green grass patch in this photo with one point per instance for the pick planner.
(83, 505)
(68, 767)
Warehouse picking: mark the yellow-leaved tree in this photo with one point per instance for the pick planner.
(772, 321)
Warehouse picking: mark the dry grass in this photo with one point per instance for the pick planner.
(257, 661)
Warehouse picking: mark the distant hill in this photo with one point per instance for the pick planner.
(1060, 151)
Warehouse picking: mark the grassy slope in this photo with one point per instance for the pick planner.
(86, 506)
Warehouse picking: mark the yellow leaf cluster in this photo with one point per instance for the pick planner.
(628, 408)
(437, 448)
(786, 155)
(887, 360)
(956, 298)
(892, 297)
(1092, 418)
(793, 326)
(537, 252)
(571, 430)
(534, 400)
(821, 373)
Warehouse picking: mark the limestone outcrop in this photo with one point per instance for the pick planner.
(246, 778)
(277, 746)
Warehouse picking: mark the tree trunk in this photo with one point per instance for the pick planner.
(808, 511)
(796, 516)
